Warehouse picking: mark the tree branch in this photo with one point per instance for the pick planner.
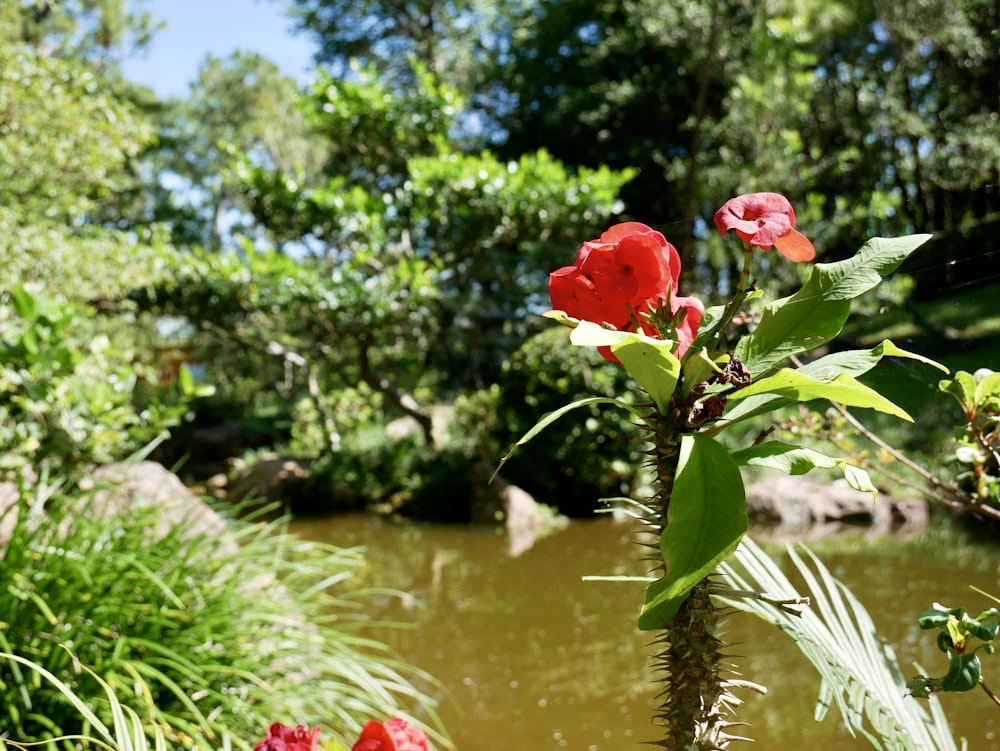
(396, 395)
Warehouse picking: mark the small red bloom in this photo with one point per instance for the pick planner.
(622, 277)
(391, 735)
(765, 220)
(283, 738)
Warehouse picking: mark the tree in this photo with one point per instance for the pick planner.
(67, 142)
(239, 107)
(398, 189)
(624, 85)
(456, 41)
(95, 31)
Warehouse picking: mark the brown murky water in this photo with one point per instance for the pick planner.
(533, 658)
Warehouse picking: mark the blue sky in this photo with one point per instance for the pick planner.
(198, 27)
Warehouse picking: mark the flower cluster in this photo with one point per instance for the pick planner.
(627, 279)
(392, 735)
(283, 738)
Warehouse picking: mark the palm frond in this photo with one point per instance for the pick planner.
(860, 672)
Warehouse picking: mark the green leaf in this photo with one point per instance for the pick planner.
(963, 388)
(187, 382)
(698, 368)
(859, 479)
(855, 362)
(648, 360)
(710, 319)
(797, 386)
(706, 519)
(817, 312)
(795, 460)
(792, 460)
(550, 417)
(25, 304)
(652, 365)
(963, 672)
(987, 391)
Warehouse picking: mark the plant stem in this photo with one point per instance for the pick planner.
(993, 697)
(689, 658)
(961, 500)
(743, 288)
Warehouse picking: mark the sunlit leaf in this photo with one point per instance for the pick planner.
(853, 362)
(817, 312)
(797, 386)
(706, 519)
(963, 388)
(792, 460)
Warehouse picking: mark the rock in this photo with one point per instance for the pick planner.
(799, 502)
(272, 479)
(405, 427)
(500, 502)
(118, 488)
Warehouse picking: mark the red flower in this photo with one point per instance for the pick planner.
(282, 738)
(391, 735)
(765, 220)
(621, 278)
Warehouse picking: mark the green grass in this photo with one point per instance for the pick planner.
(204, 647)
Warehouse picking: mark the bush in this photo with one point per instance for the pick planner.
(546, 373)
(71, 396)
(207, 642)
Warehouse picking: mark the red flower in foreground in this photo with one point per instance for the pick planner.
(391, 735)
(765, 220)
(622, 277)
(283, 738)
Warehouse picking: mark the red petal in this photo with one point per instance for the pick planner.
(795, 246)
(619, 231)
(641, 257)
(742, 212)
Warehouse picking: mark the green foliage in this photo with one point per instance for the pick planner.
(860, 673)
(817, 312)
(204, 642)
(452, 39)
(396, 126)
(68, 397)
(977, 443)
(242, 112)
(400, 186)
(542, 377)
(706, 519)
(95, 31)
(65, 137)
(958, 633)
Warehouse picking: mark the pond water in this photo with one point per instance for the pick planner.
(533, 658)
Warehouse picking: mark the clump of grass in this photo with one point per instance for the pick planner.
(205, 644)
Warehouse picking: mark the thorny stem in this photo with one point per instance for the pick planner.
(689, 660)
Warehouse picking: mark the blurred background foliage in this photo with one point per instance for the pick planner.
(350, 273)
(331, 258)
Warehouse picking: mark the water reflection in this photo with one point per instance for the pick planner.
(534, 658)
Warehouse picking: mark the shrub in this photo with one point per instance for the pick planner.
(206, 641)
(546, 373)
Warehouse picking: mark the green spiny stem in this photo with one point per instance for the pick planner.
(689, 661)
